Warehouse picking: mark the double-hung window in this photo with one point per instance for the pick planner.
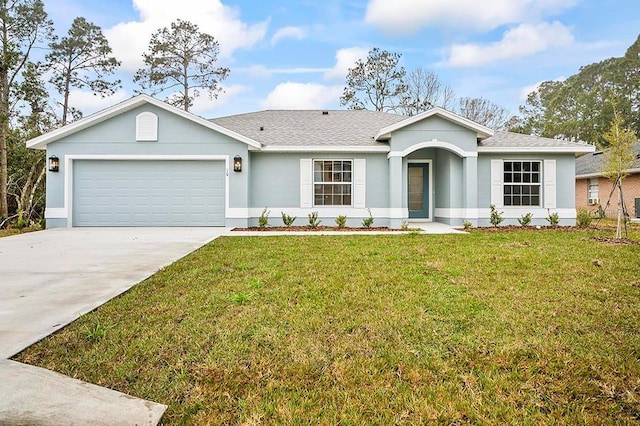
(594, 192)
(332, 182)
(522, 186)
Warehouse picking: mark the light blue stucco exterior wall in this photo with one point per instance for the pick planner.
(116, 136)
(565, 190)
(274, 179)
(460, 184)
(434, 128)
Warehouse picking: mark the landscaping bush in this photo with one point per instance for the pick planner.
(584, 218)
(496, 217)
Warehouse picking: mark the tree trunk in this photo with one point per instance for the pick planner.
(620, 204)
(4, 121)
(65, 105)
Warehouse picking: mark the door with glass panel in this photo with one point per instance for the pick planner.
(418, 190)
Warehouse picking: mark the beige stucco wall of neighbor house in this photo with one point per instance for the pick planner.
(630, 190)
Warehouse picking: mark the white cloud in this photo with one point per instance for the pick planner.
(345, 59)
(523, 40)
(405, 17)
(89, 103)
(291, 95)
(260, 71)
(204, 106)
(130, 39)
(297, 33)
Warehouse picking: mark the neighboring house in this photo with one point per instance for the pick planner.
(143, 162)
(594, 190)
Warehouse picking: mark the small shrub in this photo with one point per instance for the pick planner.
(263, 220)
(368, 221)
(313, 220)
(496, 217)
(584, 218)
(467, 225)
(405, 225)
(525, 219)
(287, 220)
(341, 221)
(553, 219)
(21, 223)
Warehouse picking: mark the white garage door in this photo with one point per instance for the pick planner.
(148, 193)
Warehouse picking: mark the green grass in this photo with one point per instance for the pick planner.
(13, 231)
(528, 327)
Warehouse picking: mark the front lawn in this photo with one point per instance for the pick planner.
(532, 327)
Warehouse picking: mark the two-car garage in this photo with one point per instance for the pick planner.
(134, 192)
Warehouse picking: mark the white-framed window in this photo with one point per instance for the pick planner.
(522, 183)
(332, 182)
(594, 191)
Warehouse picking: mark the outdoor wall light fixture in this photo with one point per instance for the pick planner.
(237, 163)
(54, 164)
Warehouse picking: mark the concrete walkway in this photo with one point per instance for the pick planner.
(50, 278)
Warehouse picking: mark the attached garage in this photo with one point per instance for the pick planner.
(148, 193)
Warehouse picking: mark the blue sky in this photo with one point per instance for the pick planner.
(291, 54)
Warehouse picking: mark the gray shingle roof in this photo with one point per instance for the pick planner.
(341, 128)
(591, 164)
(518, 140)
(310, 127)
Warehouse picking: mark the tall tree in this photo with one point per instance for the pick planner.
(580, 108)
(375, 83)
(484, 112)
(27, 167)
(182, 57)
(424, 90)
(23, 23)
(82, 60)
(620, 157)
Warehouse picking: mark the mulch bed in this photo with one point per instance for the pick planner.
(316, 229)
(512, 228)
(623, 241)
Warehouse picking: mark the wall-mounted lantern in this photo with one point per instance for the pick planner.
(237, 163)
(54, 164)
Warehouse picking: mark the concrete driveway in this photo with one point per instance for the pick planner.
(50, 278)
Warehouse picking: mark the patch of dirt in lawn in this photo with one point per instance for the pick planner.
(616, 241)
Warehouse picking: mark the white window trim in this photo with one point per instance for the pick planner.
(358, 183)
(539, 184)
(314, 183)
(593, 195)
(548, 184)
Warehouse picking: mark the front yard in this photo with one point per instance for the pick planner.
(493, 327)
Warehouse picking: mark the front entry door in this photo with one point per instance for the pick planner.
(419, 190)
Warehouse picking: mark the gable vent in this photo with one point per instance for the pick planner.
(146, 126)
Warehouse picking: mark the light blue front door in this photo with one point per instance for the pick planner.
(418, 190)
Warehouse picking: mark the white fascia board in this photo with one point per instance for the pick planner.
(484, 131)
(42, 141)
(325, 148)
(600, 174)
(536, 149)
